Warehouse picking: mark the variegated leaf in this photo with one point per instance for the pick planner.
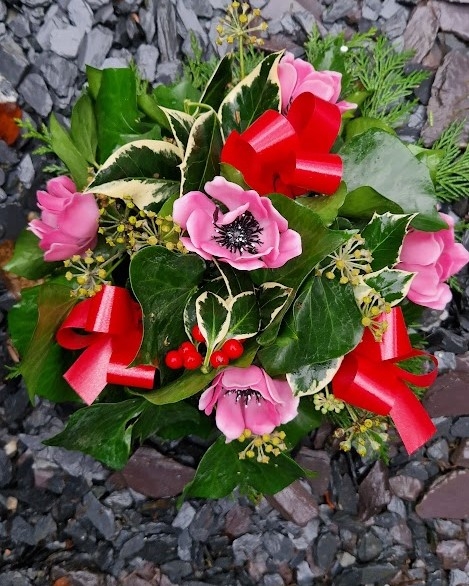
(245, 318)
(180, 123)
(213, 318)
(143, 192)
(313, 378)
(273, 297)
(392, 284)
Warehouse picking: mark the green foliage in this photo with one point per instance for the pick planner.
(374, 73)
(452, 170)
(42, 134)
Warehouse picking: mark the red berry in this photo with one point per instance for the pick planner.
(197, 334)
(173, 359)
(187, 348)
(233, 349)
(218, 359)
(193, 360)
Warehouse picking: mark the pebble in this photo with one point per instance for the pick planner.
(95, 47)
(35, 93)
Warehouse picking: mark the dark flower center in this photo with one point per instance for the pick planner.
(246, 395)
(239, 236)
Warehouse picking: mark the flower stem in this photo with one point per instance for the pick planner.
(241, 58)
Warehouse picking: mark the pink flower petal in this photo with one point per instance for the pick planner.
(80, 217)
(184, 206)
(260, 417)
(61, 187)
(423, 248)
(229, 417)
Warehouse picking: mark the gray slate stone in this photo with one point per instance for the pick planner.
(13, 63)
(80, 14)
(166, 30)
(147, 22)
(19, 26)
(7, 92)
(55, 19)
(146, 59)
(66, 41)
(34, 91)
(95, 47)
(5, 469)
(3, 11)
(421, 31)
(100, 516)
(59, 73)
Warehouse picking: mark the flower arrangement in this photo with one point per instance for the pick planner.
(234, 262)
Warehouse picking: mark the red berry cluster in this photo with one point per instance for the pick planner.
(189, 357)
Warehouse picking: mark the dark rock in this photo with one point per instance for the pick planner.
(449, 529)
(3, 11)
(449, 100)
(373, 493)
(396, 25)
(406, 487)
(7, 92)
(22, 531)
(95, 47)
(13, 63)
(295, 503)
(237, 521)
(402, 535)
(439, 450)
(279, 547)
(453, 18)
(19, 26)
(176, 570)
(147, 22)
(203, 524)
(447, 497)
(100, 516)
(159, 549)
(154, 475)
(319, 462)
(59, 73)
(34, 91)
(460, 456)
(421, 31)
(448, 395)
(166, 27)
(146, 58)
(45, 529)
(461, 427)
(326, 550)
(369, 547)
(187, 21)
(168, 71)
(452, 554)
(26, 171)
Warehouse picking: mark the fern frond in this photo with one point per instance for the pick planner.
(452, 172)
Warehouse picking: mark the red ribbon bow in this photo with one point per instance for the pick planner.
(113, 325)
(289, 154)
(369, 378)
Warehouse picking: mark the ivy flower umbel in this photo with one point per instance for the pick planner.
(326, 402)
(368, 436)
(349, 261)
(89, 272)
(265, 445)
(238, 26)
(372, 306)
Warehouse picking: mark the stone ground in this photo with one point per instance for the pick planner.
(65, 520)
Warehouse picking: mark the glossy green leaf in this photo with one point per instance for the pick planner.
(312, 378)
(272, 298)
(392, 284)
(162, 282)
(245, 318)
(383, 238)
(180, 124)
(370, 160)
(83, 129)
(323, 323)
(362, 124)
(33, 323)
(252, 96)
(325, 206)
(317, 242)
(232, 174)
(145, 170)
(28, 259)
(220, 471)
(64, 147)
(93, 75)
(174, 96)
(103, 431)
(215, 89)
(116, 110)
(202, 157)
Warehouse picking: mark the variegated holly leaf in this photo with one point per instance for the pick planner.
(245, 318)
(272, 298)
(202, 158)
(257, 92)
(312, 378)
(383, 238)
(216, 86)
(145, 170)
(216, 286)
(180, 124)
(392, 284)
(213, 318)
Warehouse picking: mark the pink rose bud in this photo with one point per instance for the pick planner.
(248, 398)
(297, 76)
(69, 220)
(435, 257)
(249, 233)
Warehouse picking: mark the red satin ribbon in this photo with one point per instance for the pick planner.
(289, 154)
(113, 330)
(369, 378)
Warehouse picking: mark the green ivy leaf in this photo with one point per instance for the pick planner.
(28, 259)
(33, 323)
(64, 147)
(162, 282)
(362, 124)
(371, 159)
(323, 323)
(312, 378)
(383, 238)
(116, 109)
(326, 206)
(145, 170)
(220, 471)
(257, 92)
(317, 242)
(202, 157)
(174, 96)
(83, 129)
(103, 431)
(392, 284)
(93, 75)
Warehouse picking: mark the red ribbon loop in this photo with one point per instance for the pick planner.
(369, 378)
(289, 154)
(112, 334)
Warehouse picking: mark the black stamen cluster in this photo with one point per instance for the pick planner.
(241, 235)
